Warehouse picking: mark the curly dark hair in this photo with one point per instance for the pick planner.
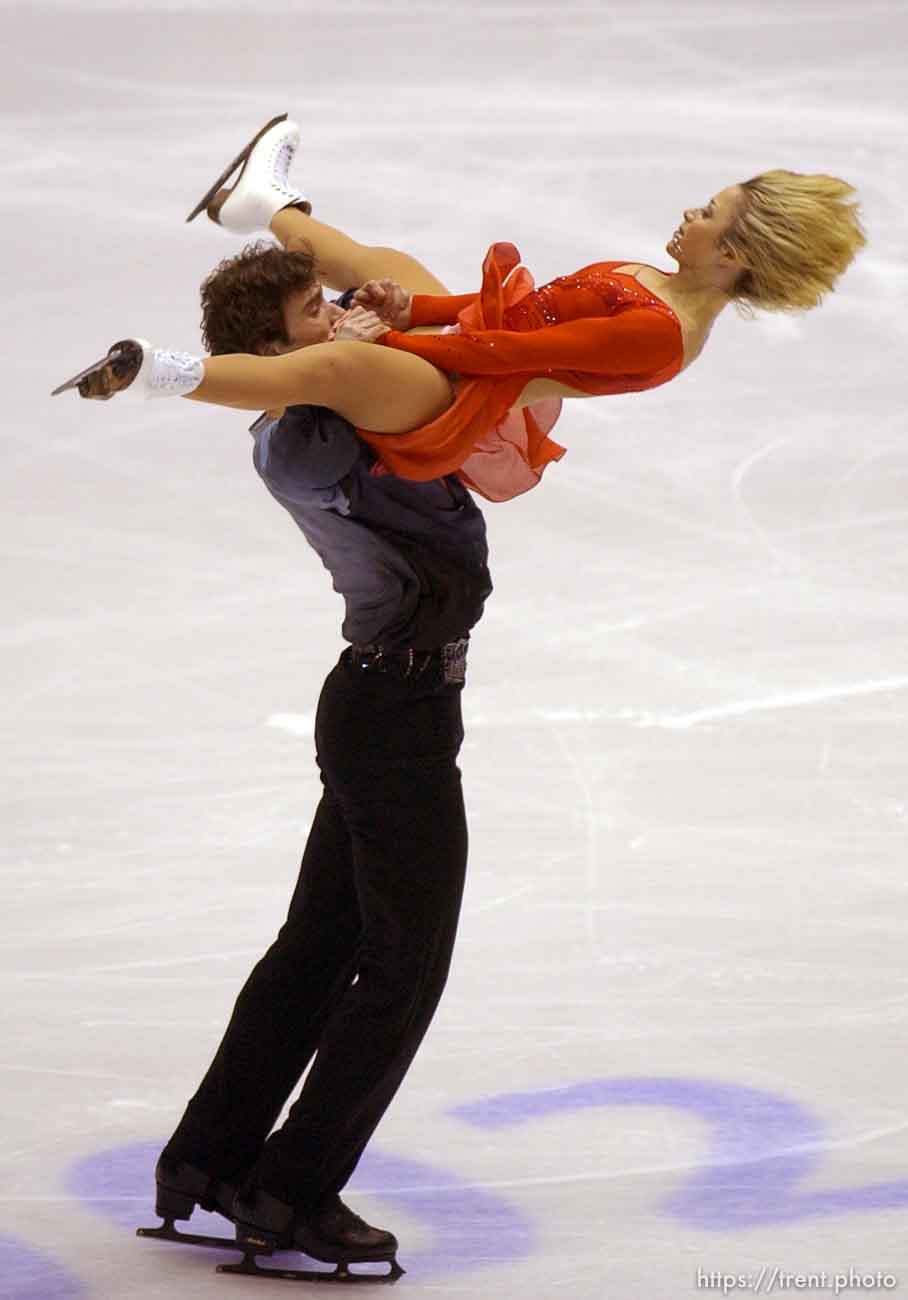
(242, 298)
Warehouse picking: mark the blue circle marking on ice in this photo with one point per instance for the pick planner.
(471, 1226)
(761, 1146)
(29, 1274)
(119, 1184)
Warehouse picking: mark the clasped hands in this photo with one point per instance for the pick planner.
(381, 305)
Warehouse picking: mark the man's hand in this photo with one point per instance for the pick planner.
(359, 326)
(388, 300)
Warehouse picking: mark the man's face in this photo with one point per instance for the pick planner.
(308, 318)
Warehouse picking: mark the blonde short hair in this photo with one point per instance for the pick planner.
(795, 235)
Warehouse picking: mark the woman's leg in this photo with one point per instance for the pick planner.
(345, 264)
(373, 387)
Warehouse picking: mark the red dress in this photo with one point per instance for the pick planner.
(597, 331)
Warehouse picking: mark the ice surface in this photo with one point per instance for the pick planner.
(674, 1034)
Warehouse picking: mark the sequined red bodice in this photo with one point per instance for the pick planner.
(595, 290)
(597, 330)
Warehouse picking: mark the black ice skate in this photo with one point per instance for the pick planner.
(334, 1235)
(102, 379)
(180, 1188)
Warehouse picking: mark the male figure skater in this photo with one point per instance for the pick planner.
(356, 972)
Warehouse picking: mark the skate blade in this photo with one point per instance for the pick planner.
(167, 1232)
(240, 158)
(93, 369)
(342, 1273)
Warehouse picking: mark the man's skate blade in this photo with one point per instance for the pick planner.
(342, 1274)
(167, 1232)
(240, 158)
(87, 372)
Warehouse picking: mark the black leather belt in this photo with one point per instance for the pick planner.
(448, 663)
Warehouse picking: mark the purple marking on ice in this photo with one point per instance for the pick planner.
(119, 1183)
(28, 1274)
(469, 1227)
(761, 1146)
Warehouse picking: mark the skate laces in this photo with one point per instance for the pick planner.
(282, 161)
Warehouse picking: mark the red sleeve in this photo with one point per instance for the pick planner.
(634, 342)
(427, 309)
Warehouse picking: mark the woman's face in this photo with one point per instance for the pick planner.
(695, 243)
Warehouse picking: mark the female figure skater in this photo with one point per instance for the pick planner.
(480, 398)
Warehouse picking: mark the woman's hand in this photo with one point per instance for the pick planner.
(388, 300)
(359, 326)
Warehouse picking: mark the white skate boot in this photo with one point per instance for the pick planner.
(136, 368)
(262, 187)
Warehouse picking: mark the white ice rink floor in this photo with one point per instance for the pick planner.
(673, 1043)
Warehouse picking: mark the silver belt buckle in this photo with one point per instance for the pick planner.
(454, 661)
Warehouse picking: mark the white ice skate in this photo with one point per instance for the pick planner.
(262, 187)
(137, 369)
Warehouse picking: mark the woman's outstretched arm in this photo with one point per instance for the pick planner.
(637, 341)
(374, 388)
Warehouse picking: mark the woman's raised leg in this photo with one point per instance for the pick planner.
(345, 264)
(376, 388)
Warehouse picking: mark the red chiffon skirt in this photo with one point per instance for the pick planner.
(495, 448)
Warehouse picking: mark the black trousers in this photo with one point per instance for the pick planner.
(360, 964)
